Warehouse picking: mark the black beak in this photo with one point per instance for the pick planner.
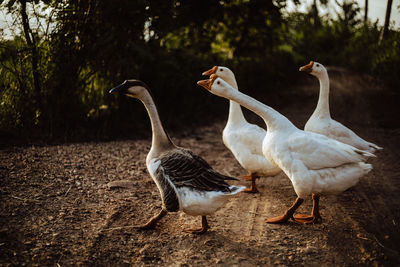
(121, 89)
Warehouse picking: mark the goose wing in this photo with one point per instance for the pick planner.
(318, 152)
(186, 169)
(252, 136)
(348, 136)
(338, 130)
(244, 141)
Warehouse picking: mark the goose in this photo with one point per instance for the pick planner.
(321, 121)
(186, 181)
(244, 139)
(315, 164)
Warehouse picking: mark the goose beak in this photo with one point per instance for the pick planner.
(119, 89)
(205, 83)
(307, 68)
(210, 71)
(208, 83)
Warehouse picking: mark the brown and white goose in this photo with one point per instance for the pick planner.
(186, 182)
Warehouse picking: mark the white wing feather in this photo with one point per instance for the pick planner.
(318, 152)
(245, 143)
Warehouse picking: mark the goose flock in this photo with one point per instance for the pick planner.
(325, 158)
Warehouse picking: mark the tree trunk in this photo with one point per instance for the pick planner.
(31, 42)
(387, 21)
(315, 14)
(366, 12)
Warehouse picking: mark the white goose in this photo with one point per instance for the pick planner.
(321, 121)
(244, 139)
(314, 163)
(186, 182)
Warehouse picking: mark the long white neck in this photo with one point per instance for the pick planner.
(273, 119)
(235, 111)
(322, 109)
(160, 139)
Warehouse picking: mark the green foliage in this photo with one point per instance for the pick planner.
(348, 42)
(84, 48)
(16, 89)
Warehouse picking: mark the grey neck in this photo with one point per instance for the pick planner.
(160, 139)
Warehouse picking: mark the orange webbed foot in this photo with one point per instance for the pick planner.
(280, 219)
(251, 190)
(288, 214)
(151, 224)
(248, 177)
(307, 219)
(199, 231)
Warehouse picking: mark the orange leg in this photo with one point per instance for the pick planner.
(248, 177)
(315, 216)
(202, 230)
(153, 221)
(253, 188)
(288, 214)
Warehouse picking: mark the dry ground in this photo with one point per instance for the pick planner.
(57, 210)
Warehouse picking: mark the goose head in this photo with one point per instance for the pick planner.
(314, 68)
(132, 88)
(216, 85)
(223, 72)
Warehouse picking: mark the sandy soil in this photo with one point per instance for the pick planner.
(57, 208)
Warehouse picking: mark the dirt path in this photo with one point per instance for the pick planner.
(56, 208)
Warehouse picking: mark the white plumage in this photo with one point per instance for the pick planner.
(242, 138)
(186, 181)
(321, 121)
(203, 203)
(314, 163)
(191, 201)
(245, 142)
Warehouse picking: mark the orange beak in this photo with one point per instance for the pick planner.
(208, 83)
(307, 68)
(205, 83)
(211, 71)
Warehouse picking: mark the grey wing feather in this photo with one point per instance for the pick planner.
(185, 168)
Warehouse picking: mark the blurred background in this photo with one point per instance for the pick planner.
(59, 59)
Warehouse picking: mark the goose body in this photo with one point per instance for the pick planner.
(314, 163)
(321, 121)
(186, 181)
(245, 142)
(242, 138)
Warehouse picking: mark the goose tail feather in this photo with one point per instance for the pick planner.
(365, 154)
(374, 147)
(236, 189)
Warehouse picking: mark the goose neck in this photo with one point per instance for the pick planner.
(236, 116)
(160, 139)
(273, 119)
(235, 113)
(323, 101)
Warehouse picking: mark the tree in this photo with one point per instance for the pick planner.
(32, 44)
(366, 11)
(315, 12)
(348, 17)
(387, 21)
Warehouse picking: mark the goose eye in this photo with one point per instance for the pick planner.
(317, 65)
(221, 69)
(218, 82)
